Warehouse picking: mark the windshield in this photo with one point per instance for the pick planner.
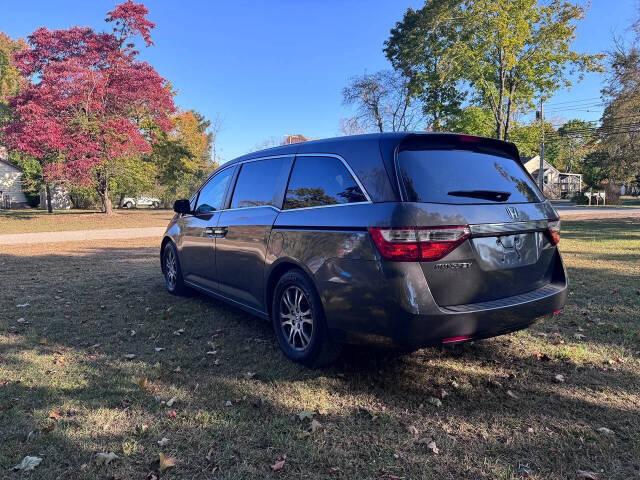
(463, 177)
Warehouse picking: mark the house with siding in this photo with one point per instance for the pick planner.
(11, 194)
(557, 184)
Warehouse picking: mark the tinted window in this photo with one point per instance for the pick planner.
(212, 194)
(258, 182)
(318, 181)
(459, 176)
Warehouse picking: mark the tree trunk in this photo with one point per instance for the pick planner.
(103, 192)
(49, 205)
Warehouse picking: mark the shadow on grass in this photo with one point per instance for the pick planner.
(87, 302)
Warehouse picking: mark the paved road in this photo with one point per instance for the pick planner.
(80, 235)
(584, 213)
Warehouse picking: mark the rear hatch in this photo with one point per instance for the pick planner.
(477, 183)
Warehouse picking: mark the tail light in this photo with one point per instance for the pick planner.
(413, 244)
(554, 231)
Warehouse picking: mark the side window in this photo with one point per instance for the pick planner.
(212, 194)
(319, 181)
(258, 182)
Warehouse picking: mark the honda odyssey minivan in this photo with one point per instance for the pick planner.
(395, 239)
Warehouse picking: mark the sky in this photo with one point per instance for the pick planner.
(277, 67)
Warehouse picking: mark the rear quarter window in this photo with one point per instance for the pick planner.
(463, 177)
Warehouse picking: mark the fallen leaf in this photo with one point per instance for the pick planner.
(442, 393)
(315, 425)
(172, 414)
(228, 403)
(129, 356)
(43, 341)
(435, 401)
(524, 471)
(249, 375)
(171, 401)
(412, 430)
(578, 336)
(49, 427)
(543, 356)
(179, 331)
(28, 463)
(132, 333)
(54, 414)
(21, 320)
(279, 463)
(433, 447)
(144, 384)
(22, 305)
(307, 414)
(559, 378)
(163, 442)
(606, 431)
(166, 462)
(587, 475)
(212, 352)
(158, 349)
(105, 458)
(512, 395)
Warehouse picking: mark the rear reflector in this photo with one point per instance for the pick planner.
(457, 339)
(554, 231)
(413, 244)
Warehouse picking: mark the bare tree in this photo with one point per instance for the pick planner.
(383, 102)
(351, 126)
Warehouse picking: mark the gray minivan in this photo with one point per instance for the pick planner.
(395, 239)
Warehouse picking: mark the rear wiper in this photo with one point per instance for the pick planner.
(482, 194)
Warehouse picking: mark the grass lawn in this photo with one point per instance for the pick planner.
(32, 221)
(68, 393)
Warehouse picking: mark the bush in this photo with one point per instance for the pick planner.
(83, 198)
(580, 198)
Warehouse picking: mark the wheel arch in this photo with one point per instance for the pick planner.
(277, 270)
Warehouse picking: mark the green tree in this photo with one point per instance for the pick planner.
(567, 149)
(421, 46)
(472, 120)
(620, 137)
(509, 52)
(183, 156)
(9, 74)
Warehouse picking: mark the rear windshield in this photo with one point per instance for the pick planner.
(463, 177)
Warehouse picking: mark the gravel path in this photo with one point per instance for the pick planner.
(80, 235)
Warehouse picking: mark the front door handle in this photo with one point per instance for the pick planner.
(217, 232)
(220, 232)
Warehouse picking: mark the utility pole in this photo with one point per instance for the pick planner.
(541, 169)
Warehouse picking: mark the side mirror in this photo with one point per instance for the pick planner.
(182, 206)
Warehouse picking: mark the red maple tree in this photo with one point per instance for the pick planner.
(87, 100)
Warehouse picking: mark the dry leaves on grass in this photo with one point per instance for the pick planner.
(279, 464)
(315, 425)
(163, 442)
(105, 458)
(165, 462)
(587, 475)
(28, 463)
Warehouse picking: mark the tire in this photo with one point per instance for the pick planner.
(128, 205)
(156, 205)
(171, 270)
(299, 322)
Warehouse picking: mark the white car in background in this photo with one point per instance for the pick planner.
(130, 202)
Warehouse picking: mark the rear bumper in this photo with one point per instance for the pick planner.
(481, 320)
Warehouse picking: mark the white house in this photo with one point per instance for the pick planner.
(11, 194)
(556, 184)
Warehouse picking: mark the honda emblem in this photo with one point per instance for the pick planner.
(513, 213)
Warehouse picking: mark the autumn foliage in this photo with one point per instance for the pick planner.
(88, 99)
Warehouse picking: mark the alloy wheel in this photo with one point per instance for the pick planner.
(170, 268)
(296, 318)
